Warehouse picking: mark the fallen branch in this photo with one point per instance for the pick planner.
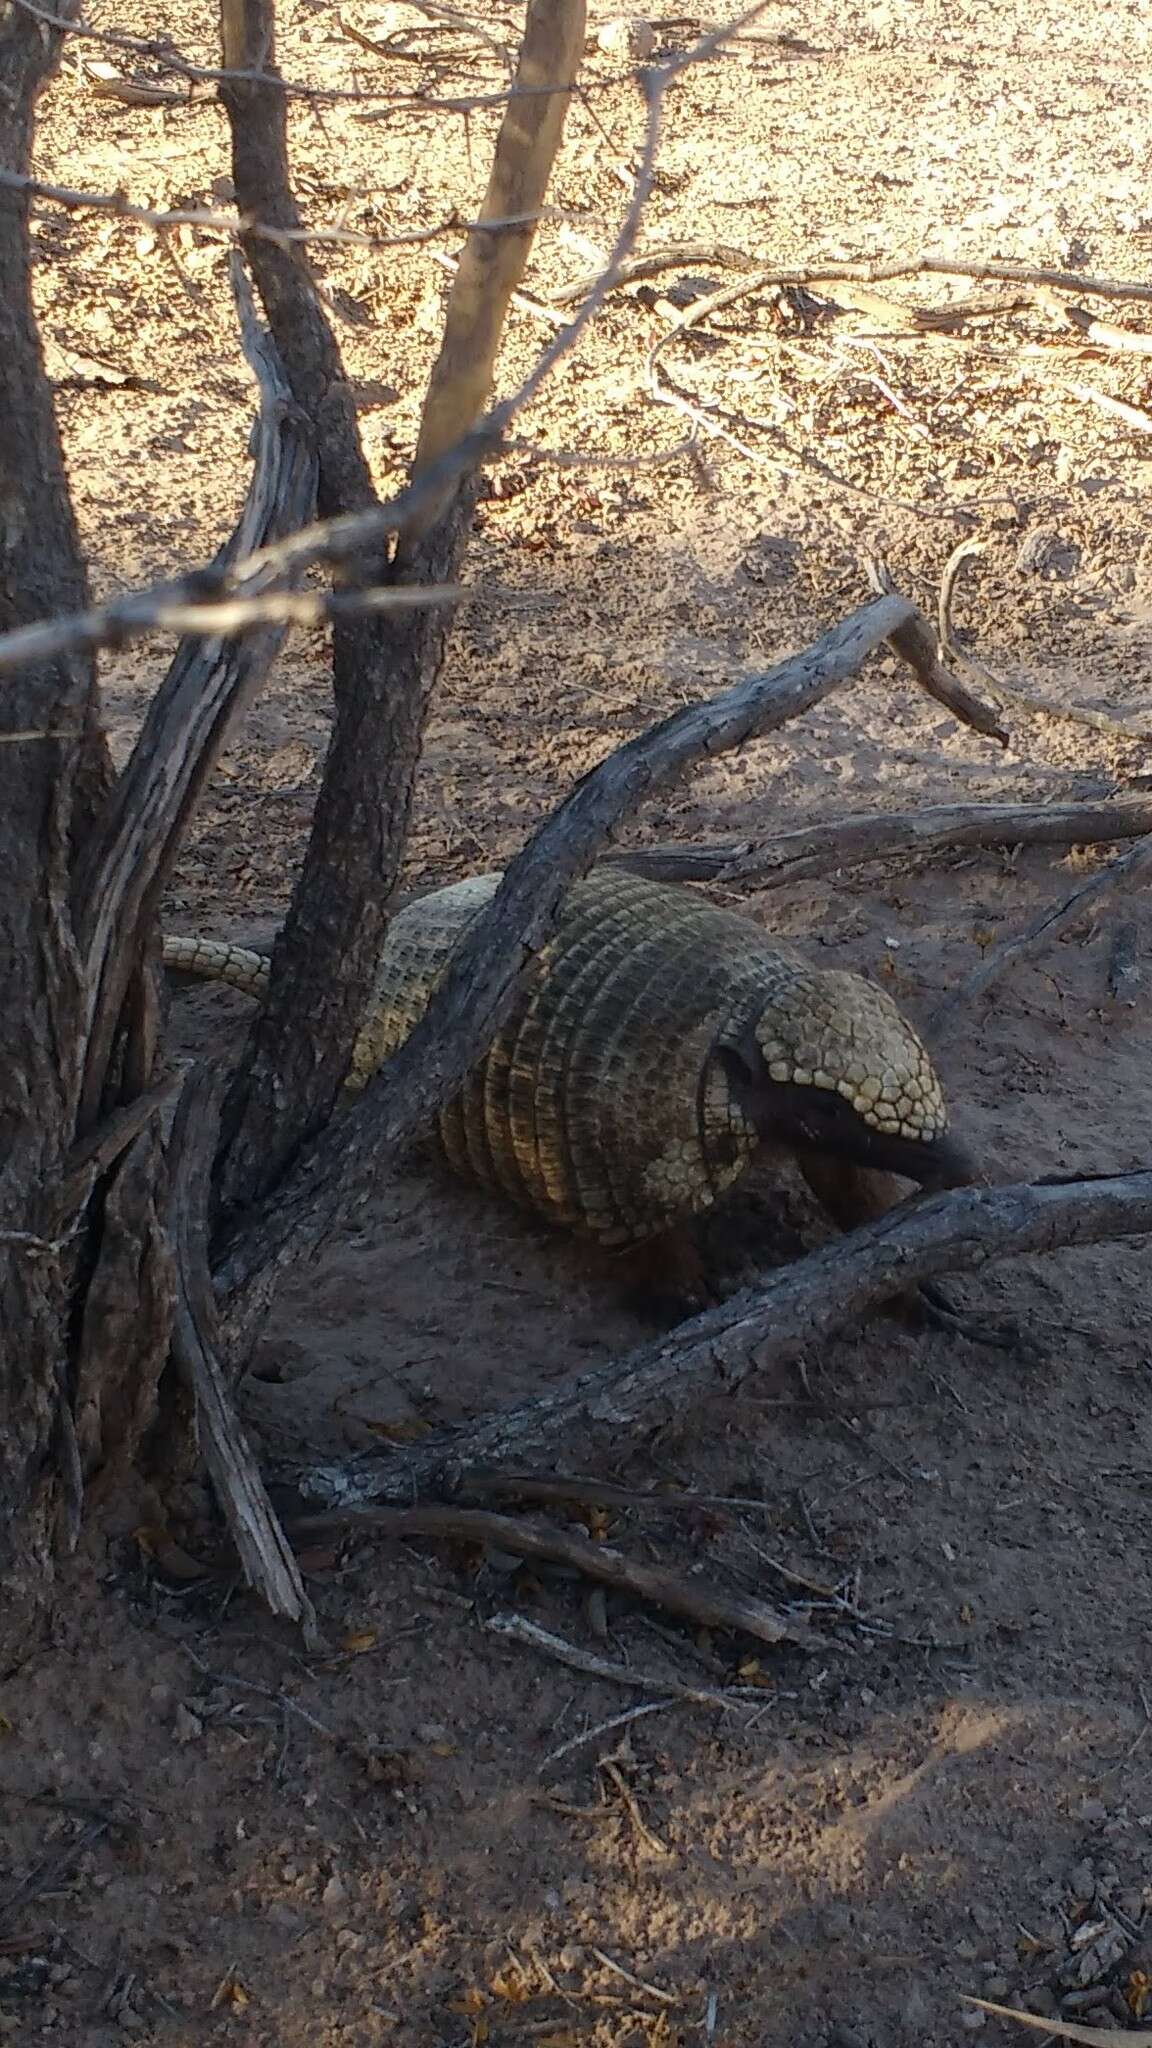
(1131, 415)
(480, 985)
(1009, 694)
(797, 276)
(863, 836)
(1097, 333)
(798, 1306)
(515, 1628)
(695, 1601)
(1037, 937)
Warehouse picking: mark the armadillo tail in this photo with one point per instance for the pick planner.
(213, 960)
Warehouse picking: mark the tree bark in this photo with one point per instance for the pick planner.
(51, 776)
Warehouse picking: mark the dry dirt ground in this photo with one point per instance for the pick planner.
(210, 1837)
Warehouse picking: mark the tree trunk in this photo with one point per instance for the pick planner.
(52, 772)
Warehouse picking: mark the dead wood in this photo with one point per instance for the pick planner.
(127, 860)
(384, 668)
(516, 1628)
(492, 261)
(692, 1599)
(267, 1560)
(864, 836)
(1009, 694)
(799, 275)
(1097, 333)
(49, 790)
(1131, 415)
(128, 1308)
(798, 1306)
(1038, 936)
(479, 988)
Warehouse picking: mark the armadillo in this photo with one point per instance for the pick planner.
(658, 1045)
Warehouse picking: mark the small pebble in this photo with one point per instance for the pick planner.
(1093, 1810)
(972, 2018)
(996, 1987)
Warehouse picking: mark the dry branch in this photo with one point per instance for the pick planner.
(481, 984)
(1037, 937)
(797, 276)
(864, 836)
(236, 225)
(692, 1599)
(516, 1628)
(492, 262)
(127, 860)
(384, 668)
(167, 58)
(1009, 694)
(798, 1306)
(265, 1555)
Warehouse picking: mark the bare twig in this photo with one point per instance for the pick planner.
(637, 1983)
(603, 1728)
(236, 225)
(818, 272)
(1097, 333)
(1065, 2030)
(693, 1599)
(1038, 936)
(516, 1628)
(1131, 415)
(965, 552)
(167, 58)
(798, 1306)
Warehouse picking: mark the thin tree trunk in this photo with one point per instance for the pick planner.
(46, 738)
(385, 667)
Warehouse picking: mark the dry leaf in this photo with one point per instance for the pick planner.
(510, 1986)
(397, 1432)
(229, 1991)
(471, 2001)
(1066, 2030)
(359, 1641)
(7, 1727)
(1136, 1993)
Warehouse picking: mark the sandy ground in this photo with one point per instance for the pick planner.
(208, 1836)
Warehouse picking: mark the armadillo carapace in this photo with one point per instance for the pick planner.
(659, 1042)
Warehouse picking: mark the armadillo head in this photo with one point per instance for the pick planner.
(833, 1064)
